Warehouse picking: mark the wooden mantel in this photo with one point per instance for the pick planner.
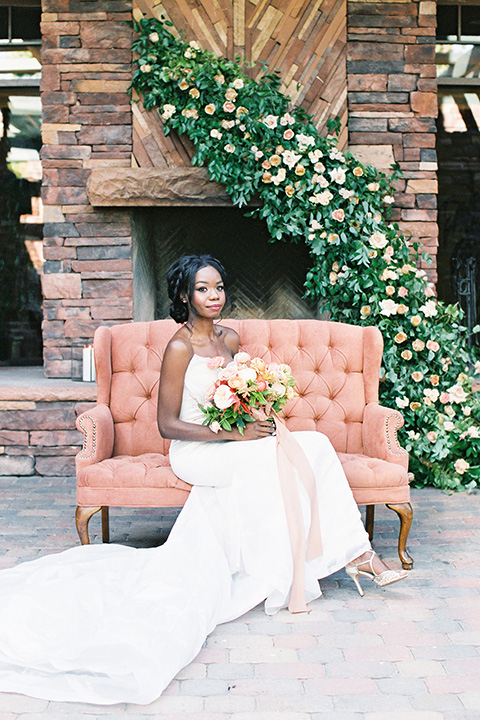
(142, 187)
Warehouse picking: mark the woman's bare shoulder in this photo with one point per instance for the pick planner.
(179, 348)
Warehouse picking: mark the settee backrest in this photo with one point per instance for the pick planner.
(336, 367)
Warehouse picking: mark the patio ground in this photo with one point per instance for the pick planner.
(409, 652)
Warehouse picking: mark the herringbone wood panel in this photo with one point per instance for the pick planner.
(304, 39)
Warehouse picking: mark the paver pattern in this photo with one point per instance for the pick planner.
(408, 652)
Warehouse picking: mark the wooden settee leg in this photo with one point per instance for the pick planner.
(370, 521)
(82, 517)
(405, 514)
(105, 524)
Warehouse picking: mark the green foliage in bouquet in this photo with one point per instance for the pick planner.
(364, 271)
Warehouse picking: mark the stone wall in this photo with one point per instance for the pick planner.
(392, 103)
(86, 70)
(37, 422)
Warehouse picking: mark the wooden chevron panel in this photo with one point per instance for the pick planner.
(304, 39)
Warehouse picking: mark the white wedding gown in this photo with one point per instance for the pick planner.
(109, 623)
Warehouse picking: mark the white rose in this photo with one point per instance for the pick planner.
(457, 393)
(429, 309)
(324, 197)
(448, 425)
(388, 307)
(271, 121)
(461, 466)
(378, 240)
(277, 389)
(337, 175)
(402, 402)
(238, 83)
(290, 158)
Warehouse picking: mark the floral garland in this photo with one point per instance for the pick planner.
(363, 270)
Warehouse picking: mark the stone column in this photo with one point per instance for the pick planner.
(392, 105)
(86, 70)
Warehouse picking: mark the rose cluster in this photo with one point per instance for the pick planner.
(244, 387)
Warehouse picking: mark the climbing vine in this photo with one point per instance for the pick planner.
(363, 270)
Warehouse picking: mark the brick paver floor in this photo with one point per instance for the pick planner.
(409, 652)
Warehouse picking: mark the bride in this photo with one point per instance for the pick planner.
(109, 623)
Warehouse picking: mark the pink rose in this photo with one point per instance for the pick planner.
(225, 374)
(224, 397)
(338, 214)
(241, 358)
(432, 436)
(288, 134)
(215, 362)
(261, 385)
(228, 106)
(402, 291)
(433, 345)
(444, 398)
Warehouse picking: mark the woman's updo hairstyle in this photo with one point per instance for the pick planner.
(181, 282)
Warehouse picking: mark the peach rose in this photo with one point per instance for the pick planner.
(402, 309)
(338, 215)
(415, 406)
(241, 358)
(400, 337)
(289, 190)
(228, 106)
(194, 93)
(224, 397)
(210, 108)
(416, 320)
(418, 345)
(237, 383)
(406, 355)
(390, 290)
(258, 364)
(358, 171)
(275, 160)
(365, 311)
(288, 134)
(267, 177)
(231, 95)
(434, 380)
(417, 376)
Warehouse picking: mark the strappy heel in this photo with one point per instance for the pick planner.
(387, 577)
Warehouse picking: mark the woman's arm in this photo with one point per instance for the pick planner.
(174, 366)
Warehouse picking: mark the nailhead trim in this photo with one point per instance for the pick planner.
(85, 437)
(398, 448)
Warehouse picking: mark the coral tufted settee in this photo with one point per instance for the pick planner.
(124, 460)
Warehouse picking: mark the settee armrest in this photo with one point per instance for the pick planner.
(380, 425)
(97, 428)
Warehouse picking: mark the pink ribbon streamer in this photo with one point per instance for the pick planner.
(292, 462)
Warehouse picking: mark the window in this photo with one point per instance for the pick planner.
(20, 24)
(458, 23)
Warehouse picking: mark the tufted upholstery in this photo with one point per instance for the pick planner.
(124, 460)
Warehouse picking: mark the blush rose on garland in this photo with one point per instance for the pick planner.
(364, 271)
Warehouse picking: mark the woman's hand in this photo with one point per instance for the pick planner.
(257, 430)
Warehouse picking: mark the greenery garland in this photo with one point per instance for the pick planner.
(363, 270)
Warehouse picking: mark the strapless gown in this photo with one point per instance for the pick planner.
(109, 623)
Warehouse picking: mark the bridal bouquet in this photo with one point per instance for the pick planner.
(243, 388)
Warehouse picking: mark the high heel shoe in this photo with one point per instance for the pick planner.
(387, 577)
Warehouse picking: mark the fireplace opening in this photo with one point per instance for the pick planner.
(265, 279)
